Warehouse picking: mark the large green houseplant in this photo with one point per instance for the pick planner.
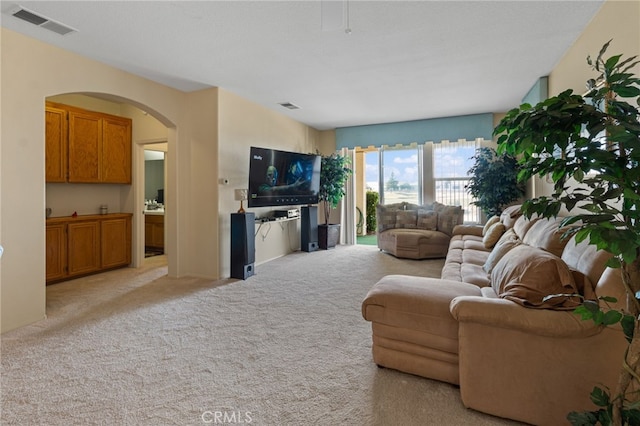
(334, 173)
(493, 181)
(595, 140)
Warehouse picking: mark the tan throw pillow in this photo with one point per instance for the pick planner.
(547, 234)
(449, 217)
(493, 235)
(526, 275)
(386, 217)
(438, 206)
(427, 219)
(498, 252)
(490, 222)
(426, 206)
(406, 219)
(508, 235)
(522, 225)
(510, 215)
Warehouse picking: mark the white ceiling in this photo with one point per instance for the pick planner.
(404, 60)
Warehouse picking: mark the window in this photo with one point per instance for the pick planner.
(451, 161)
(372, 170)
(401, 175)
(424, 173)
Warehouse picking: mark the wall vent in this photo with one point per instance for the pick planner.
(289, 105)
(42, 21)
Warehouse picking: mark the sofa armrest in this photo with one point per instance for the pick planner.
(468, 230)
(502, 313)
(395, 295)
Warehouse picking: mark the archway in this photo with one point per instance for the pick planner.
(148, 126)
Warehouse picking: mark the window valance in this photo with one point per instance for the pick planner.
(468, 127)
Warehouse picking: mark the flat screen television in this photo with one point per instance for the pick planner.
(282, 178)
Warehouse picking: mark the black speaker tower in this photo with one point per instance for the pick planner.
(309, 229)
(243, 245)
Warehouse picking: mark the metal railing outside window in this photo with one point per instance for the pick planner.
(452, 192)
(451, 161)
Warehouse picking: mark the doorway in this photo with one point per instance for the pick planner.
(154, 202)
(367, 193)
(151, 158)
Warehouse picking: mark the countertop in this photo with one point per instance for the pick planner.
(156, 212)
(80, 218)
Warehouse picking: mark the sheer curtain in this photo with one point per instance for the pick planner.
(348, 211)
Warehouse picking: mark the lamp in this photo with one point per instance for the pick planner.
(240, 195)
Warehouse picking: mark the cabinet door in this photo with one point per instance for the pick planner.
(56, 252)
(55, 145)
(148, 234)
(83, 243)
(85, 145)
(116, 242)
(158, 235)
(116, 150)
(154, 231)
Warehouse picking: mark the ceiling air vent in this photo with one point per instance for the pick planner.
(41, 21)
(289, 105)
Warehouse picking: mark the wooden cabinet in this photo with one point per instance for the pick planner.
(115, 242)
(116, 150)
(87, 244)
(85, 144)
(56, 144)
(95, 147)
(56, 251)
(83, 247)
(154, 231)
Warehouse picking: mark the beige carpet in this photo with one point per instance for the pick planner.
(288, 346)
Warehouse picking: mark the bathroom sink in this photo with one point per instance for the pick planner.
(158, 211)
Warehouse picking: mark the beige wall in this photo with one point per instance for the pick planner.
(244, 124)
(617, 20)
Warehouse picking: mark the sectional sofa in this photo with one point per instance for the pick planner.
(486, 326)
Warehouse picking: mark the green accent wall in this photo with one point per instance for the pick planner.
(538, 93)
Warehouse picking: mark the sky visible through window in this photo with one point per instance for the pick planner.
(401, 175)
(403, 163)
(372, 172)
(451, 161)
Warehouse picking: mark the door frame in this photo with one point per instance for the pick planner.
(138, 202)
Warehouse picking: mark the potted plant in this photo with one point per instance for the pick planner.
(494, 181)
(595, 140)
(334, 173)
